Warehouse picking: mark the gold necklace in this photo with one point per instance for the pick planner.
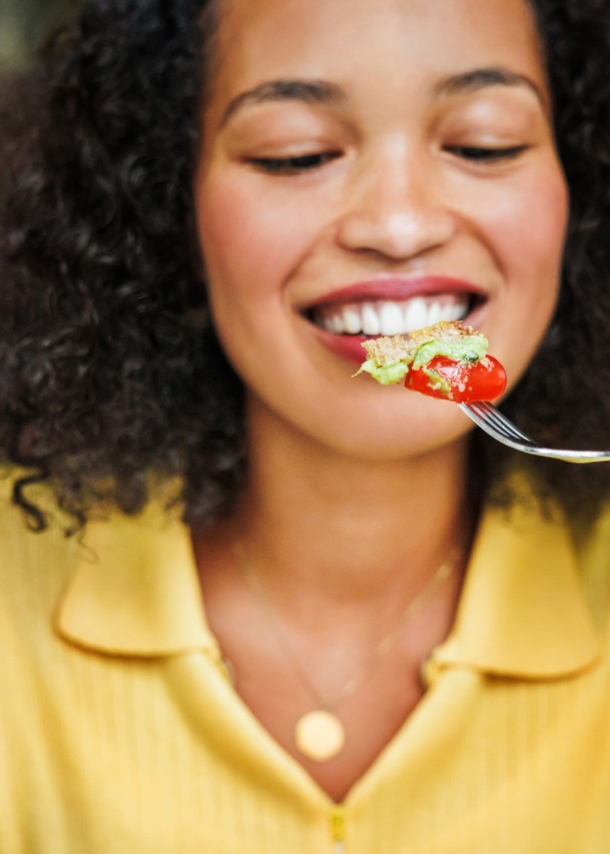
(320, 735)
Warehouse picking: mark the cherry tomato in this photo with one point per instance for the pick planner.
(468, 381)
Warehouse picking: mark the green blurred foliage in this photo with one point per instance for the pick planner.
(23, 23)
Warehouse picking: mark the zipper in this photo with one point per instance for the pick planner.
(337, 830)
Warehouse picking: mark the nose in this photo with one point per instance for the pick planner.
(396, 205)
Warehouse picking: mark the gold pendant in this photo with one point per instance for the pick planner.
(319, 735)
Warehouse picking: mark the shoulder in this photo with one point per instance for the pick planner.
(34, 569)
(592, 547)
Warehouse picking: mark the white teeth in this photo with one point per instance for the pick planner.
(333, 323)
(435, 313)
(459, 311)
(338, 326)
(370, 321)
(352, 321)
(416, 314)
(391, 319)
(386, 317)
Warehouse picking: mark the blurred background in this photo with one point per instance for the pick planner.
(23, 24)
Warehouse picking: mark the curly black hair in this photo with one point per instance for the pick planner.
(111, 378)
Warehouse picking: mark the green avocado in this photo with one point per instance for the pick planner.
(472, 348)
(386, 374)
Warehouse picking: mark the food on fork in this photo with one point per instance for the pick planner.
(447, 360)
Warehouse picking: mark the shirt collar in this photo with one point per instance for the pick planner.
(135, 592)
(522, 612)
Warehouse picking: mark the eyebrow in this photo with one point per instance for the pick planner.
(482, 78)
(324, 92)
(305, 91)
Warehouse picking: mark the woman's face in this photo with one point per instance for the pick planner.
(373, 166)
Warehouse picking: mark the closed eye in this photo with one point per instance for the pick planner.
(293, 165)
(477, 154)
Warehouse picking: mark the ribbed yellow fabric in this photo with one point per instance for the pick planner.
(120, 733)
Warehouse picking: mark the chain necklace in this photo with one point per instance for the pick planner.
(320, 735)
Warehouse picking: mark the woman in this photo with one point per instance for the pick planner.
(397, 651)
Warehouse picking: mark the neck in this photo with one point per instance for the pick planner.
(347, 530)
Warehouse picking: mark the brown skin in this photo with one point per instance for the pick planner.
(356, 493)
(353, 552)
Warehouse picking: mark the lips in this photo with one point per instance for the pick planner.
(347, 316)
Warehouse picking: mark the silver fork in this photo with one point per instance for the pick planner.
(497, 425)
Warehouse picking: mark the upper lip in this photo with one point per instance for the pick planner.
(398, 289)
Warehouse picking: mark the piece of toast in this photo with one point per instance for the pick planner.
(389, 350)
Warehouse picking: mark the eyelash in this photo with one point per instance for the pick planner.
(293, 165)
(310, 162)
(485, 155)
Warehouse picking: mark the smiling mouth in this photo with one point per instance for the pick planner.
(392, 317)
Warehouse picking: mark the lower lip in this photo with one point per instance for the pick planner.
(347, 347)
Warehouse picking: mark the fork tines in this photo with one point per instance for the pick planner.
(495, 419)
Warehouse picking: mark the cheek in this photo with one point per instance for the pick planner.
(251, 244)
(526, 230)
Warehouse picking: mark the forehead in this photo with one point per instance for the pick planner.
(388, 40)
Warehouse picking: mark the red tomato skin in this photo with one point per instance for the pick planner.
(483, 380)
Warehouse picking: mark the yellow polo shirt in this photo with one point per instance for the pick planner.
(120, 732)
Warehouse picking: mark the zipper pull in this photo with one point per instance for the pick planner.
(337, 830)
